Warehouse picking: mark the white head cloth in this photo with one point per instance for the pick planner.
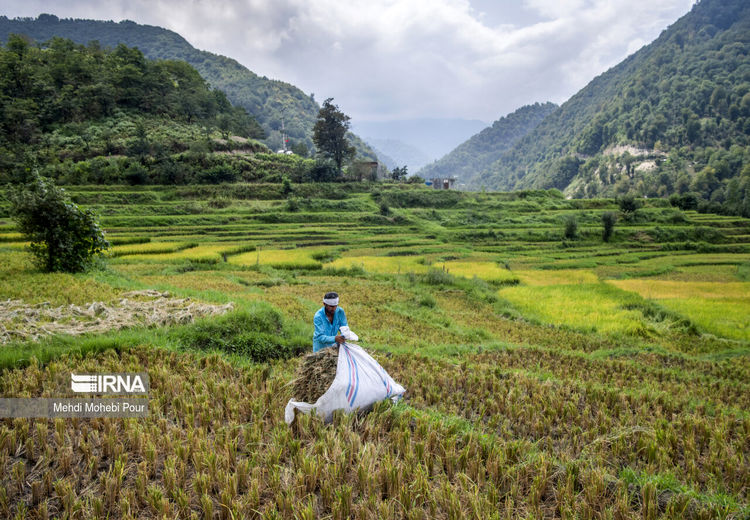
(331, 301)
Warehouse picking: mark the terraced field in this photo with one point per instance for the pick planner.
(546, 377)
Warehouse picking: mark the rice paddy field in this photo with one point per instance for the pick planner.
(546, 377)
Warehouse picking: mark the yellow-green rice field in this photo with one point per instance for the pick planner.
(382, 264)
(301, 258)
(546, 378)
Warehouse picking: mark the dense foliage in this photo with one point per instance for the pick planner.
(273, 103)
(486, 147)
(61, 82)
(63, 237)
(84, 115)
(672, 118)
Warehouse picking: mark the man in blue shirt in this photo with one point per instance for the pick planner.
(328, 320)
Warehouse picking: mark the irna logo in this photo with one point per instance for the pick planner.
(109, 383)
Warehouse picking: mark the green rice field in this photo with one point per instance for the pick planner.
(546, 377)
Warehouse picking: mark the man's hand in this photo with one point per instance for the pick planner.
(340, 339)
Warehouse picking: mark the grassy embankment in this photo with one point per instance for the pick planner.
(546, 377)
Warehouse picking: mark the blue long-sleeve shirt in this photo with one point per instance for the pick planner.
(326, 331)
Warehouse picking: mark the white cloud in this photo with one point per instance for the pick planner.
(556, 8)
(383, 59)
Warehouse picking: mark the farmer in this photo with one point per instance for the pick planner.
(327, 321)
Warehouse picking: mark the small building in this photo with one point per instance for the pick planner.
(443, 183)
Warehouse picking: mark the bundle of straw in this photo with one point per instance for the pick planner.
(315, 374)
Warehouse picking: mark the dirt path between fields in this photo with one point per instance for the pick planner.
(20, 321)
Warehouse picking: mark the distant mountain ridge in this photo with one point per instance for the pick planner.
(683, 101)
(433, 137)
(399, 153)
(273, 103)
(481, 150)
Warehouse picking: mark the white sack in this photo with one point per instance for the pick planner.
(360, 382)
(348, 334)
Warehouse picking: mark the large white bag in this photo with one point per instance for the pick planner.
(360, 382)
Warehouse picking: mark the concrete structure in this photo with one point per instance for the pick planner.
(443, 183)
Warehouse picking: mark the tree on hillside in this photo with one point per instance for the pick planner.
(63, 237)
(236, 121)
(628, 204)
(571, 227)
(608, 222)
(329, 134)
(399, 174)
(300, 148)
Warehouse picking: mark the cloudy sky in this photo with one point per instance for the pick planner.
(401, 59)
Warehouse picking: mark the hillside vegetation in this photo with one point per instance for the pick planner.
(547, 377)
(486, 147)
(271, 102)
(83, 114)
(672, 118)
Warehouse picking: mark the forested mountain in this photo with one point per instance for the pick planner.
(83, 114)
(271, 102)
(672, 118)
(486, 147)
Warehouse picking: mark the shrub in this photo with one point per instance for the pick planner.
(571, 227)
(438, 277)
(324, 171)
(628, 204)
(686, 201)
(63, 237)
(608, 221)
(218, 174)
(292, 204)
(286, 187)
(425, 198)
(427, 300)
(258, 334)
(219, 202)
(325, 256)
(136, 174)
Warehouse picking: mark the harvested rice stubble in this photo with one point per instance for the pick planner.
(315, 374)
